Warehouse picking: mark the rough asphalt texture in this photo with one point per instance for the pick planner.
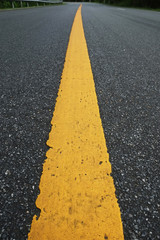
(124, 48)
(124, 51)
(33, 45)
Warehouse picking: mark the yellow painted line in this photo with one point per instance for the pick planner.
(77, 194)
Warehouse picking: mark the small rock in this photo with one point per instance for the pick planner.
(7, 172)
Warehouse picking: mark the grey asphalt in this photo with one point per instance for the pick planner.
(124, 50)
(33, 45)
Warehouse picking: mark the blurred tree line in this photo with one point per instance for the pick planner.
(126, 3)
(135, 3)
(18, 4)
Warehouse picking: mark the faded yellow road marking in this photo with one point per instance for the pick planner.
(77, 194)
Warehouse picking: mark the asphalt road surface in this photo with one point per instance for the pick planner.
(124, 50)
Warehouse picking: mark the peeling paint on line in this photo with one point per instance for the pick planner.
(77, 194)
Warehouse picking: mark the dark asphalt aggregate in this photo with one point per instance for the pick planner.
(33, 45)
(124, 51)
